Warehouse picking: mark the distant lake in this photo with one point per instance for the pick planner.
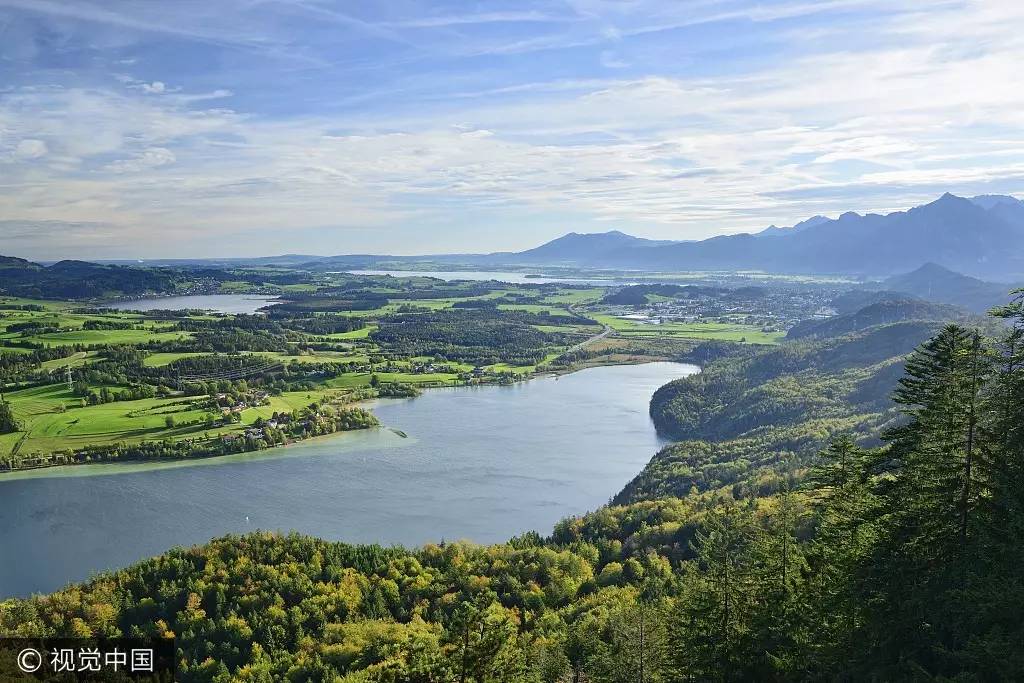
(483, 275)
(222, 303)
(483, 463)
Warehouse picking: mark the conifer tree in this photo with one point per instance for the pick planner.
(922, 566)
(8, 423)
(710, 627)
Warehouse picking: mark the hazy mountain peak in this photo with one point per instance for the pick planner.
(936, 282)
(989, 201)
(811, 222)
(774, 230)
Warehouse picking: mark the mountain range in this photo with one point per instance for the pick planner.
(981, 235)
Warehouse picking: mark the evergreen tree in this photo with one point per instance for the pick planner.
(710, 628)
(8, 423)
(940, 479)
(844, 507)
(778, 639)
(923, 566)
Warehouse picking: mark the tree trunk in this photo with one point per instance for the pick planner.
(972, 424)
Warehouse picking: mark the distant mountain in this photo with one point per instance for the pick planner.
(773, 231)
(989, 201)
(980, 235)
(584, 249)
(935, 283)
(882, 312)
(952, 231)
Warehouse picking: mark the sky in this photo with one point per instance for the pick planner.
(146, 129)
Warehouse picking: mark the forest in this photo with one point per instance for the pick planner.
(896, 561)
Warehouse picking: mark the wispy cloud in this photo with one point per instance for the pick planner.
(425, 147)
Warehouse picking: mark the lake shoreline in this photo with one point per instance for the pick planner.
(482, 463)
(145, 464)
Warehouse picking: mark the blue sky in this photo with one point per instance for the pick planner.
(137, 128)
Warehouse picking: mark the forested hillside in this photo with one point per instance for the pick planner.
(888, 310)
(896, 562)
(79, 280)
(755, 414)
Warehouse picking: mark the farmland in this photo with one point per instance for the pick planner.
(201, 380)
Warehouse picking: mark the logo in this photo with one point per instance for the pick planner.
(29, 660)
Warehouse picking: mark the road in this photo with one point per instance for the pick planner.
(605, 331)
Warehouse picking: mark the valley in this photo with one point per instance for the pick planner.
(535, 474)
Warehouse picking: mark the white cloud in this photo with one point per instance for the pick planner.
(153, 157)
(30, 148)
(850, 126)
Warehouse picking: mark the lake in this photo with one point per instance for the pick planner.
(222, 303)
(481, 463)
(484, 275)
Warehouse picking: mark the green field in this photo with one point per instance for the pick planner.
(157, 360)
(362, 379)
(47, 430)
(699, 330)
(361, 333)
(536, 308)
(95, 337)
(576, 296)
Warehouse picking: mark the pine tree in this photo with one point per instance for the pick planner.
(940, 480)
(778, 634)
(923, 565)
(844, 507)
(710, 627)
(8, 423)
(1004, 455)
(636, 644)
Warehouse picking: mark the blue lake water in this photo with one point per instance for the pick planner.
(482, 463)
(500, 276)
(222, 303)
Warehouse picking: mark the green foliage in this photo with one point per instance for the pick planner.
(8, 423)
(480, 337)
(752, 415)
(729, 562)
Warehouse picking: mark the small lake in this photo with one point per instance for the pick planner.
(481, 463)
(221, 303)
(484, 275)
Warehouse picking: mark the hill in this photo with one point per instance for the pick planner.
(754, 411)
(882, 312)
(935, 283)
(78, 280)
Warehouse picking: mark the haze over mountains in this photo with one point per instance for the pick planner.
(981, 236)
